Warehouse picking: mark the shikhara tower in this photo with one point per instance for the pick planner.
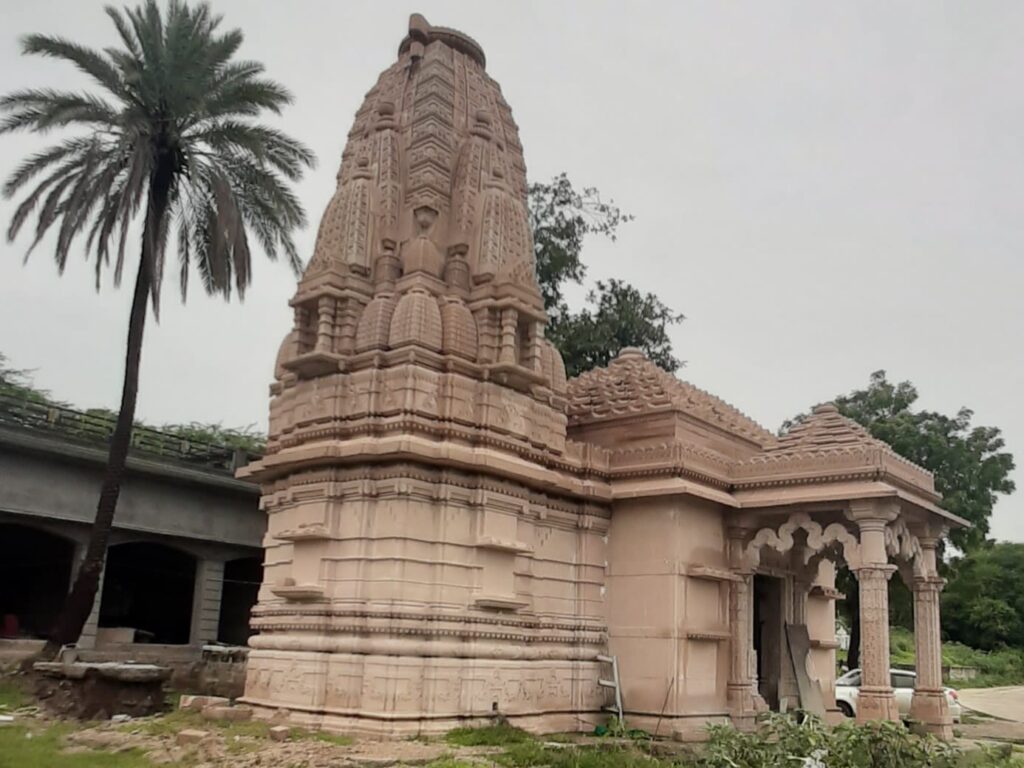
(423, 559)
(455, 531)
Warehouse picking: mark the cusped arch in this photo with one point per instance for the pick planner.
(818, 539)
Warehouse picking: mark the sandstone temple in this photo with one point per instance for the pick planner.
(457, 532)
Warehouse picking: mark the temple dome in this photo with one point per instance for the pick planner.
(417, 320)
(633, 385)
(375, 323)
(553, 366)
(826, 429)
(459, 335)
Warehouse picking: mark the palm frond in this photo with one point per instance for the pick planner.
(43, 109)
(87, 60)
(178, 108)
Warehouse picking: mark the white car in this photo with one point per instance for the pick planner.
(848, 689)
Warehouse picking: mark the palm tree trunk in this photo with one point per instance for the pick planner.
(79, 603)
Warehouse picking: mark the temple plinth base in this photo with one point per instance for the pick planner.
(929, 711)
(876, 704)
(744, 706)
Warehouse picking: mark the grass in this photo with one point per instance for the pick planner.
(1002, 667)
(488, 736)
(12, 695)
(170, 723)
(329, 738)
(24, 748)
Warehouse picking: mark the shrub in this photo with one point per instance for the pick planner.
(783, 741)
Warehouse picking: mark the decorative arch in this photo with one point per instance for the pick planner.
(904, 549)
(819, 540)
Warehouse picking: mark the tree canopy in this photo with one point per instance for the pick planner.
(616, 314)
(983, 603)
(970, 465)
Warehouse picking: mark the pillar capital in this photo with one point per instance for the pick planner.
(873, 514)
(874, 571)
(928, 584)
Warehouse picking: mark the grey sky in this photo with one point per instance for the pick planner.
(824, 188)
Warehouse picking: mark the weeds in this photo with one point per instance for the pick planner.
(488, 736)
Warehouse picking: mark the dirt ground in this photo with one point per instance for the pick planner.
(223, 749)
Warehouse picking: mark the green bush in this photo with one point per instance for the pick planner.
(782, 741)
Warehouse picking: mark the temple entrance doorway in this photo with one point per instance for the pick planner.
(768, 636)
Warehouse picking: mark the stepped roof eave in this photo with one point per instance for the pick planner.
(632, 386)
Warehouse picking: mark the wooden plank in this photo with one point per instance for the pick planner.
(799, 643)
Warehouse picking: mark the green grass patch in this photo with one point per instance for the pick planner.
(170, 723)
(12, 695)
(1001, 667)
(329, 738)
(21, 747)
(488, 736)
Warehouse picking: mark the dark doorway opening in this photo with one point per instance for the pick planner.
(149, 588)
(242, 579)
(35, 574)
(768, 636)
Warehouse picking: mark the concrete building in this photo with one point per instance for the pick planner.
(185, 554)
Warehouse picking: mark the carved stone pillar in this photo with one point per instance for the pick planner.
(742, 689)
(509, 353)
(929, 708)
(325, 325)
(876, 699)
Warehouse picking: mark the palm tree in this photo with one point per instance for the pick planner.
(173, 131)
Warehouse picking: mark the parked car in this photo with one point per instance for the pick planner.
(848, 690)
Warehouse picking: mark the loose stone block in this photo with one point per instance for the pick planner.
(199, 703)
(191, 736)
(280, 733)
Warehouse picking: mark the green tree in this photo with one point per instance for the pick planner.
(616, 314)
(17, 383)
(983, 603)
(970, 467)
(171, 133)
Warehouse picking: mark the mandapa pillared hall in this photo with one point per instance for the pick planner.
(456, 531)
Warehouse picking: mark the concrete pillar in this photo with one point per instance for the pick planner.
(876, 699)
(206, 601)
(929, 708)
(87, 640)
(741, 685)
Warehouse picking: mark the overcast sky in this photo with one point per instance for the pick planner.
(823, 188)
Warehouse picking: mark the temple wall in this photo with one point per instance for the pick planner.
(668, 609)
(412, 597)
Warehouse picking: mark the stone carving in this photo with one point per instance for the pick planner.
(632, 384)
(818, 540)
(454, 529)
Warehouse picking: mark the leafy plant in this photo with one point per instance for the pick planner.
(782, 740)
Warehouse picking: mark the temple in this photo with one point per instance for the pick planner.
(457, 532)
